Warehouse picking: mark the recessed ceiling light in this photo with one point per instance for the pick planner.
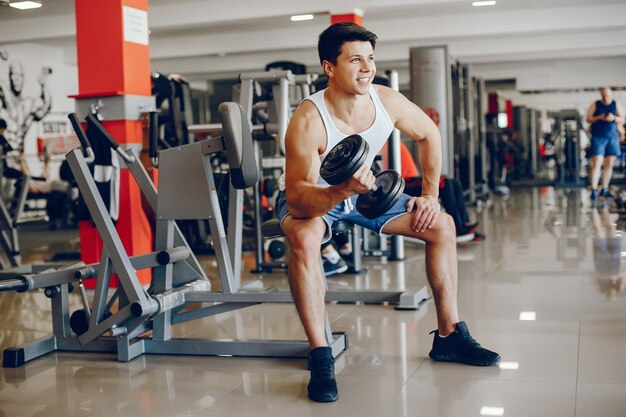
(483, 3)
(491, 411)
(527, 315)
(301, 17)
(23, 5)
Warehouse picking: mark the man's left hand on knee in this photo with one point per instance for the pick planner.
(425, 210)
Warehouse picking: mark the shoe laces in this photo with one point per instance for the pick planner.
(471, 341)
(467, 337)
(324, 368)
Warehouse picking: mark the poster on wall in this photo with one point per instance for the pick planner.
(19, 110)
(34, 85)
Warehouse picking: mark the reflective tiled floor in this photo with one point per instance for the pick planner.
(548, 255)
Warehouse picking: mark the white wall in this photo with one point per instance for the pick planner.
(555, 74)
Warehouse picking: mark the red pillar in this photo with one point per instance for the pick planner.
(354, 16)
(114, 67)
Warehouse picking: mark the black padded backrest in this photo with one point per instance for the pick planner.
(244, 172)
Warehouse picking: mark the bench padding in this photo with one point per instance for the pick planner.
(244, 171)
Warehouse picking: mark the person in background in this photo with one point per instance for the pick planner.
(333, 261)
(450, 194)
(604, 115)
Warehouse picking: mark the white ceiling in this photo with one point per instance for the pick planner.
(217, 38)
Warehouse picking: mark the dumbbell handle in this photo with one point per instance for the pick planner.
(375, 188)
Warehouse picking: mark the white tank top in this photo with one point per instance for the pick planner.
(376, 135)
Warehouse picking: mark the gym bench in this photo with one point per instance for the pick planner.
(407, 299)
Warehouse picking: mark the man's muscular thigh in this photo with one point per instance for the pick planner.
(443, 229)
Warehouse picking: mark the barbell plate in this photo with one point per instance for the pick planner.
(344, 159)
(374, 204)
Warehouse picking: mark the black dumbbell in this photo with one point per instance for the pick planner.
(345, 159)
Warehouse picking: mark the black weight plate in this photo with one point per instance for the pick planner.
(374, 204)
(79, 323)
(276, 249)
(397, 190)
(344, 159)
(392, 185)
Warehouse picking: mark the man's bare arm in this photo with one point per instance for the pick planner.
(619, 117)
(590, 117)
(305, 139)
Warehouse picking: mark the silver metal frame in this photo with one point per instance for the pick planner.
(177, 281)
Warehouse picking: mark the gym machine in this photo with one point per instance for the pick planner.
(454, 99)
(526, 128)
(9, 220)
(498, 139)
(470, 151)
(11, 217)
(395, 251)
(481, 192)
(278, 113)
(526, 132)
(566, 132)
(143, 320)
(173, 98)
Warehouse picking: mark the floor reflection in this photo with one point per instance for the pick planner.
(547, 251)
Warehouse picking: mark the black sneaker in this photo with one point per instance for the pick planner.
(604, 193)
(461, 347)
(331, 268)
(322, 386)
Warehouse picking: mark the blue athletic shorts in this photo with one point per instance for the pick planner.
(347, 211)
(605, 146)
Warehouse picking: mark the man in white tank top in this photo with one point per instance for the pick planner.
(307, 205)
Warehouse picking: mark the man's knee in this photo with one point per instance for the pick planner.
(305, 237)
(445, 230)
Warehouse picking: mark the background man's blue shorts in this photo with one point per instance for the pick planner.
(605, 146)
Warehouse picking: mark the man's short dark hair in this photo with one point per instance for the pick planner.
(331, 39)
(3, 124)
